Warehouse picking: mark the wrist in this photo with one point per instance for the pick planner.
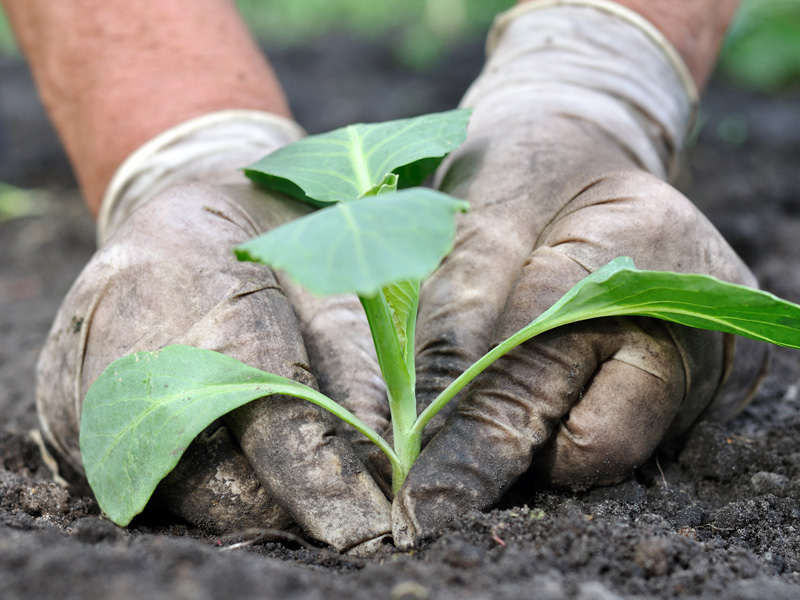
(696, 29)
(210, 148)
(591, 62)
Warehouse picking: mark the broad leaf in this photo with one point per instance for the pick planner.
(619, 289)
(145, 409)
(361, 246)
(695, 300)
(346, 163)
(403, 298)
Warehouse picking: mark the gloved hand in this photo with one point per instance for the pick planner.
(577, 117)
(165, 274)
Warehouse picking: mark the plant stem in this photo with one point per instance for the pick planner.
(481, 364)
(407, 448)
(399, 385)
(311, 395)
(411, 333)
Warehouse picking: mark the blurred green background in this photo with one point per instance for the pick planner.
(419, 30)
(762, 51)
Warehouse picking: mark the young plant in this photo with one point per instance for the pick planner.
(376, 241)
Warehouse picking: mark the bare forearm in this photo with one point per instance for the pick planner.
(114, 74)
(695, 27)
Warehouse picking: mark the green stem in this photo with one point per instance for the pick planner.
(311, 395)
(482, 363)
(411, 333)
(407, 452)
(399, 385)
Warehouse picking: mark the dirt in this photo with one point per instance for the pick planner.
(715, 516)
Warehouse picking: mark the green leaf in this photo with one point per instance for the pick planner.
(346, 163)
(16, 202)
(145, 409)
(403, 298)
(695, 300)
(387, 186)
(619, 289)
(762, 48)
(361, 246)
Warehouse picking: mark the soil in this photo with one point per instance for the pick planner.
(717, 516)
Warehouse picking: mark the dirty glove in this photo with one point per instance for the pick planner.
(165, 274)
(578, 115)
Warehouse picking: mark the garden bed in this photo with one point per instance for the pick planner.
(717, 516)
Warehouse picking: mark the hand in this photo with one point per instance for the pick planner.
(168, 275)
(563, 130)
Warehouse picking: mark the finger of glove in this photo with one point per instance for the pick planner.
(632, 213)
(635, 214)
(517, 179)
(141, 294)
(511, 410)
(463, 298)
(608, 210)
(593, 228)
(214, 487)
(744, 374)
(313, 475)
(622, 415)
(342, 357)
(334, 328)
(509, 413)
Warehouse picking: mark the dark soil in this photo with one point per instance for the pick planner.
(716, 517)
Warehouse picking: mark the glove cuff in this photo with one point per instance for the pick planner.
(503, 19)
(595, 61)
(211, 148)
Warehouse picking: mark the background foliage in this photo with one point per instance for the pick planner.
(762, 51)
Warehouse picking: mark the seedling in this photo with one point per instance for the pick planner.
(377, 242)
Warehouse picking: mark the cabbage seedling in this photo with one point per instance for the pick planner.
(377, 236)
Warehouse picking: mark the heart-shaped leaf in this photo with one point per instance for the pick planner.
(144, 410)
(701, 301)
(349, 162)
(361, 246)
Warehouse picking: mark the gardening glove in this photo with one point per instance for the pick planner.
(578, 116)
(165, 273)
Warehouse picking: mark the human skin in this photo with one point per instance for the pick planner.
(112, 75)
(695, 27)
